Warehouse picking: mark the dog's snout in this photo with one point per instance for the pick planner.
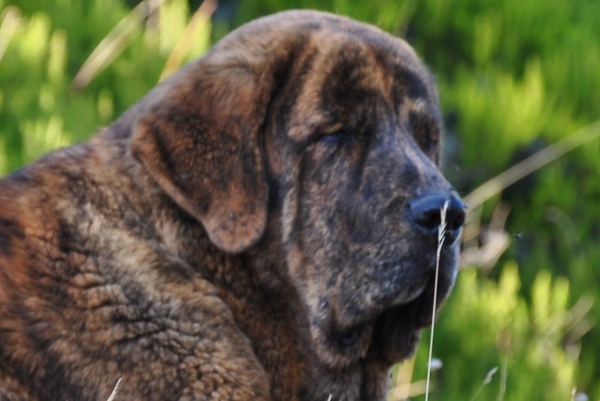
(426, 213)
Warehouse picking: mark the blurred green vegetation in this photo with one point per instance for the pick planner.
(44, 44)
(514, 76)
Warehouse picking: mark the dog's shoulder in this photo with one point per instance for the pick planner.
(91, 285)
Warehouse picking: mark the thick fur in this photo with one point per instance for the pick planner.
(242, 233)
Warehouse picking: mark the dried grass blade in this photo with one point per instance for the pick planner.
(115, 390)
(185, 42)
(503, 378)
(441, 237)
(114, 43)
(536, 161)
(10, 21)
(486, 381)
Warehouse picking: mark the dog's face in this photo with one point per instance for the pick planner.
(332, 128)
(353, 142)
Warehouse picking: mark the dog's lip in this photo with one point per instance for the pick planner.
(419, 293)
(410, 294)
(417, 277)
(390, 330)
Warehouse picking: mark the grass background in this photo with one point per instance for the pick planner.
(515, 77)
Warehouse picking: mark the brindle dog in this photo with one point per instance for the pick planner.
(262, 226)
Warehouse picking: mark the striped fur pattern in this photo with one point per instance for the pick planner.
(239, 234)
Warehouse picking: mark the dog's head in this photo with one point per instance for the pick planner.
(333, 127)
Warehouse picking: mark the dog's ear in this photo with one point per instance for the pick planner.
(199, 136)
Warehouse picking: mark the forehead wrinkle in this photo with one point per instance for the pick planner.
(377, 62)
(370, 75)
(306, 117)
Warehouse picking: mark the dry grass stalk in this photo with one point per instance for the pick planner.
(115, 390)
(10, 22)
(114, 43)
(536, 161)
(405, 391)
(486, 381)
(503, 377)
(441, 237)
(183, 46)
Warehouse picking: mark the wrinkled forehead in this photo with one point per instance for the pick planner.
(344, 73)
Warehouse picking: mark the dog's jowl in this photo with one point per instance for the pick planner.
(261, 226)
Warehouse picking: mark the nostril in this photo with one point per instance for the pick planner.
(426, 212)
(430, 219)
(455, 217)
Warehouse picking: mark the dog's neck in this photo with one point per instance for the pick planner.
(254, 284)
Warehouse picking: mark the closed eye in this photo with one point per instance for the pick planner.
(426, 132)
(340, 138)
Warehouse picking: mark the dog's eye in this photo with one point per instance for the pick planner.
(349, 338)
(425, 131)
(339, 138)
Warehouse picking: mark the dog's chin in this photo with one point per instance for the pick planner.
(389, 337)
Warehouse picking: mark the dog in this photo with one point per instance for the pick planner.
(263, 225)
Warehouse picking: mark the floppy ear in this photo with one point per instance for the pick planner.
(198, 135)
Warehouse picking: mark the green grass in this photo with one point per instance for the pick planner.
(514, 76)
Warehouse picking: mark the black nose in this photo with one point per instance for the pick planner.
(426, 213)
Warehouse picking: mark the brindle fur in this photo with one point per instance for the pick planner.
(239, 234)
